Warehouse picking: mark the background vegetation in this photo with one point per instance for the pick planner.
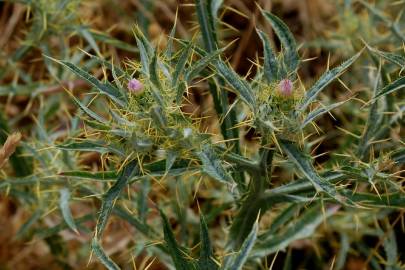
(211, 166)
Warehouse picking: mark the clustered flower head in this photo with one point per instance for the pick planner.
(135, 86)
(285, 87)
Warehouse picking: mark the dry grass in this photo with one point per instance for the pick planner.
(9, 147)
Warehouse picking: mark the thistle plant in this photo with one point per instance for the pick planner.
(200, 200)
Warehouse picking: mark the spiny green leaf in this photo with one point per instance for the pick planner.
(179, 68)
(206, 21)
(158, 169)
(171, 157)
(117, 79)
(145, 49)
(119, 72)
(303, 185)
(239, 160)
(144, 56)
(134, 221)
(193, 70)
(304, 164)
(241, 87)
(159, 117)
(304, 227)
(104, 88)
(89, 112)
(170, 39)
(103, 258)
(391, 57)
(291, 57)
(206, 261)
(156, 86)
(64, 207)
(90, 146)
(112, 194)
(178, 255)
(181, 87)
(97, 176)
(212, 166)
(393, 200)
(373, 124)
(270, 65)
(269, 199)
(97, 125)
(242, 256)
(324, 80)
(318, 112)
(121, 120)
(390, 200)
(396, 85)
(154, 72)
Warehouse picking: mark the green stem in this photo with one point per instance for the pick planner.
(254, 203)
(240, 161)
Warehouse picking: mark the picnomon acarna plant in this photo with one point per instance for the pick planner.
(158, 159)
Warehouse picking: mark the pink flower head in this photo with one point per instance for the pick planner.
(285, 87)
(135, 86)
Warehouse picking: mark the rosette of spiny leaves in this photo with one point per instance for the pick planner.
(138, 126)
(276, 99)
(151, 119)
(144, 133)
(281, 117)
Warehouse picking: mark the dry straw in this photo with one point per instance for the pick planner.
(9, 147)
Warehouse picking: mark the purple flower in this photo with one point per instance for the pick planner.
(285, 87)
(135, 86)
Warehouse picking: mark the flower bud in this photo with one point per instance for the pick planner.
(135, 86)
(285, 87)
